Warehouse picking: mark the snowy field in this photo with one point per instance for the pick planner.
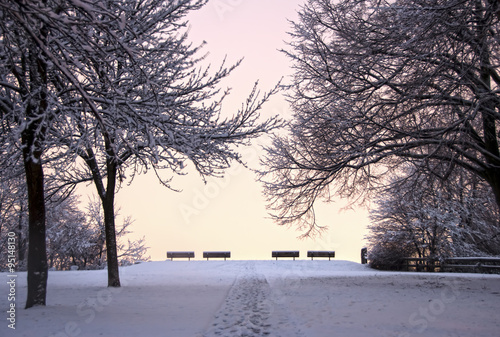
(258, 298)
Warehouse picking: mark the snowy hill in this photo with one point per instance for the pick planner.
(258, 298)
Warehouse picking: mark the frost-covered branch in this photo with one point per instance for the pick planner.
(379, 84)
(118, 85)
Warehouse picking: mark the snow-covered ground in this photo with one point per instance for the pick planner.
(258, 298)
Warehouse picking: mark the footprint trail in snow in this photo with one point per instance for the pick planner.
(246, 310)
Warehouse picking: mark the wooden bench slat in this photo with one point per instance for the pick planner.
(285, 253)
(224, 255)
(187, 255)
(321, 253)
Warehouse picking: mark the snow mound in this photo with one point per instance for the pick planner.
(282, 298)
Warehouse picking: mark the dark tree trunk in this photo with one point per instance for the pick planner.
(488, 108)
(21, 240)
(32, 141)
(108, 204)
(107, 196)
(37, 253)
(111, 251)
(493, 178)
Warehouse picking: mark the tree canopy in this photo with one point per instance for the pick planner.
(117, 84)
(420, 215)
(383, 84)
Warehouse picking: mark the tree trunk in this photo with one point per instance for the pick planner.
(32, 140)
(107, 196)
(21, 244)
(488, 108)
(108, 204)
(111, 251)
(493, 178)
(37, 253)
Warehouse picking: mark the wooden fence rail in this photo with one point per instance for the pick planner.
(472, 265)
(454, 265)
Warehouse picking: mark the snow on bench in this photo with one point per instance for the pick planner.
(320, 253)
(175, 255)
(285, 253)
(225, 255)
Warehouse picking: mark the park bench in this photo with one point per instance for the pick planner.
(285, 253)
(175, 255)
(320, 253)
(220, 255)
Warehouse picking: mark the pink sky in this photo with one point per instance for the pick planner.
(230, 213)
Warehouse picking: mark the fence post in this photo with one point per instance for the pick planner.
(364, 255)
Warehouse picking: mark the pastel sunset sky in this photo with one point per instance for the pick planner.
(230, 213)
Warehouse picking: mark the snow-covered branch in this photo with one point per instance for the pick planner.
(379, 84)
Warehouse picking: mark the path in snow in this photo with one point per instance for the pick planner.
(305, 298)
(258, 302)
(247, 308)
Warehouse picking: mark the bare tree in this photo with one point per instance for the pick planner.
(158, 110)
(13, 213)
(73, 236)
(117, 84)
(129, 251)
(77, 238)
(379, 84)
(27, 109)
(424, 216)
